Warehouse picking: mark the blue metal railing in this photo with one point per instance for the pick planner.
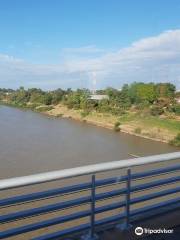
(149, 185)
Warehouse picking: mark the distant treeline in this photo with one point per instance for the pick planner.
(157, 98)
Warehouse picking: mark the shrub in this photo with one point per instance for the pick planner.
(175, 108)
(59, 115)
(156, 110)
(116, 126)
(176, 141)
(138, 130)
(117, 111)
(142, 105)
(84, 114)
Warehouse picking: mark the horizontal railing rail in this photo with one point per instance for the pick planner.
(85, 170)
(137, 188)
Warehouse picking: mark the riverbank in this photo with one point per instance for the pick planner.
(162, 129)
(154, 128)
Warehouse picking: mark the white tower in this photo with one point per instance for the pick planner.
(94, 82)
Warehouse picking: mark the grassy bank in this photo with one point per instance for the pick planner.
(152, 127)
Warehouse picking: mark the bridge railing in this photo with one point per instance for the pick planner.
(122, 200)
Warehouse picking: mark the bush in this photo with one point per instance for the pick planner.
(117, 111)
(84, 114)
(138, 130)
(59, 115)
(176, 141)
(142, 106)
(156, 110)
(116, 126)
(175, 108)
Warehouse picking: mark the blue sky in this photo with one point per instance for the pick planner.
(71, 43)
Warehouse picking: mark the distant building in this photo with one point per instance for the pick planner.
(98, 97)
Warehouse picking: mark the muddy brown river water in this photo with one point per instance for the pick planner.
(32, 143)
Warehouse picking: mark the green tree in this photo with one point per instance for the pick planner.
(142, 92)
(165, 90)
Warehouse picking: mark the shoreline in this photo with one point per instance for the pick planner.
(61, 111)
(75, 115)
(110, 128)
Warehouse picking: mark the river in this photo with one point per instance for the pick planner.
(31, 143)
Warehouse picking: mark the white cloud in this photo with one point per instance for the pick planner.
(151, 59)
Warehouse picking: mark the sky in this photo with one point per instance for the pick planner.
(88, 44)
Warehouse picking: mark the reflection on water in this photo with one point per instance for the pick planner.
(32, 143)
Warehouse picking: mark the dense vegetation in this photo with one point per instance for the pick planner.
(150, 99)
(157, 98)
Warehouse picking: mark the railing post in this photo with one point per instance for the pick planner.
(126, 225)
(92, 235)
(93, 195)
(128, 194)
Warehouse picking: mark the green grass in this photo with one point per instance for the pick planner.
(170, 124)
(127, 117)
(151, 121)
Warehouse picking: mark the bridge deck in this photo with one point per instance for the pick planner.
(168, 221)
(83, 205)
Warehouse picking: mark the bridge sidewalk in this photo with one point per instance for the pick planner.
(167, 221)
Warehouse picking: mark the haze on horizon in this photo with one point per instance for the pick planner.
(59, 44)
